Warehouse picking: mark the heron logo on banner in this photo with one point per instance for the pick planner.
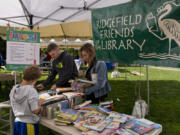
(169, 27)
(133, 33)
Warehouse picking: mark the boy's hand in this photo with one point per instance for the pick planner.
(40, 102)
(53, 87)
(39, 86)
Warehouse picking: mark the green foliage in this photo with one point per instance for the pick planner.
(3, 48)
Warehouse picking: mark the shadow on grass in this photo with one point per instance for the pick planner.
(164, 101)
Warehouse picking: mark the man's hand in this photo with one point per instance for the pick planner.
(80, 89)
(53, 87)
(40, 86)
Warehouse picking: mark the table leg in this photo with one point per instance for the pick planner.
(11, 120)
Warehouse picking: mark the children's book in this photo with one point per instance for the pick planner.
(90, 107)
(64, 104)
(91, 132)
(106, 102)
(71, 95)
(99, 125)
(86, 81)
(104, 110)
(61, 122)
(106, 131)
(122, 131)
(53, 99)
(81, 83)
(83, 104)
(68, 114)
(61, 90)
(79, 125)
(118, 117)
(139, 127)
(113, 125)
(44, 95)
(89, 117)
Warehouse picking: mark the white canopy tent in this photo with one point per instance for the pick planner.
(34, 13)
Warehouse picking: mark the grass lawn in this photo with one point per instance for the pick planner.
(164, 96)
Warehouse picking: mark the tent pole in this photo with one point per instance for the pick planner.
(48, 16)
(26, 12)
(64, 35)
(148, 94)
(31, 22)
(81, 9)
(13, 22)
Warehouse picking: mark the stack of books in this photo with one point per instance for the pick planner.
(98, 108)
(66, 116)
(62, 90)
(53, 99)
(74, 98)
(92, 120)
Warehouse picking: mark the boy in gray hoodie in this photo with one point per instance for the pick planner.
(26, 104)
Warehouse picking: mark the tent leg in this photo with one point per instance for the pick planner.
(148, 94)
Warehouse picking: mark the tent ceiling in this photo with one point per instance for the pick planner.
(41, 13)
(33, 13)
(58, 32)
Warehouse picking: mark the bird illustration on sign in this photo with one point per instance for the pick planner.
(169, 27)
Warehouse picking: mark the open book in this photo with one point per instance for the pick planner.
(86, 81)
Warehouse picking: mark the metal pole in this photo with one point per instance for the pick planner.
(11, 119)
(148, 94)
(31, 22)
(125, 67)
(15, 77)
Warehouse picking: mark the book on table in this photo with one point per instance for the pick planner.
(139, 127)
(98, 126)
(68, 115)
(62, 90)
(86, 81)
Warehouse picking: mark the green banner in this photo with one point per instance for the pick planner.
(16, 67)
(143, 32)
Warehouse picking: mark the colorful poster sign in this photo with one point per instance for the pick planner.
(23, 49)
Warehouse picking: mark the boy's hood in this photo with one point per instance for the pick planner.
(19, 94)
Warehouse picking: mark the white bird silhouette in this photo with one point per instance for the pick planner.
(170, 27)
